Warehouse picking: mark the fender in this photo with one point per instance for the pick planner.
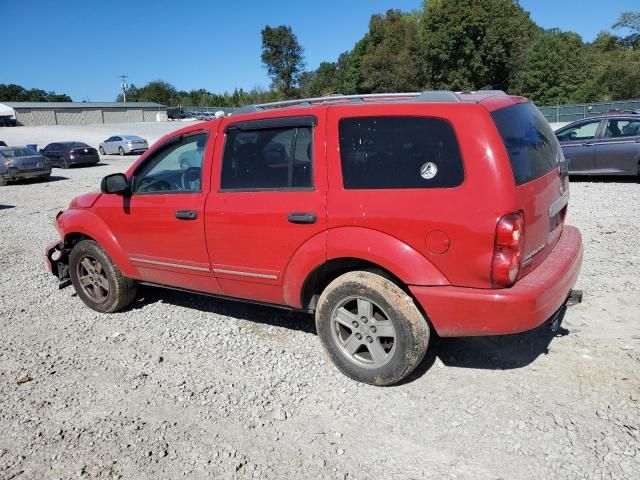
(406, 263)
(305, 260)
(88, 223)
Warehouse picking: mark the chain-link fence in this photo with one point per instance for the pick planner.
(570, 113)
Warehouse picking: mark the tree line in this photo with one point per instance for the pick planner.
(462, 45)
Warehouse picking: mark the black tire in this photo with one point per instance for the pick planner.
(389, 304)
(63, 163)
(101, 150)
(121, 290)
(121, 151)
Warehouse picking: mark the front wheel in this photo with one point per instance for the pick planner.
(101, 150)
(370, 328)
(121, 151)
(97, 280)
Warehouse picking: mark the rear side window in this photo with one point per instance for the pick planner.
(531, 144)
(267, 159)
(399, 152)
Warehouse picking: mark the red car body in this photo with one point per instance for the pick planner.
(439, 243)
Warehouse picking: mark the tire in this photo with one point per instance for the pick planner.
(103, 288)
(101, 150)
(3, 182)
(63, 163)
(121, 151)
(400, 337)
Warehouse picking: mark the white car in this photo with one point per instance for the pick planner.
(123, 144)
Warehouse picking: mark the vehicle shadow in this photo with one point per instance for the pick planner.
(4, 207)
(277, 317)
(604, 178)
(500, 352)
(52, 178)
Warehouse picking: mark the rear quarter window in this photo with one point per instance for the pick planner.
(530, 142)
(399, 152)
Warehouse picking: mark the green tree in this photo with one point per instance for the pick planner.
(553, 72)
(324, 81)
(630, 21)
(390, 62)
(17, 93)
(473, 44)
(282, 55)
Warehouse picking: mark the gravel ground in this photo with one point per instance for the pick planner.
(188, 386)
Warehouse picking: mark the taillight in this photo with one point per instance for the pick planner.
(507, 251)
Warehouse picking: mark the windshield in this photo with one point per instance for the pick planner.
(17, 152)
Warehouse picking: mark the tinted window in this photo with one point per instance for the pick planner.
(622, 128)
(531, 144)
(399, 152)
(586, 131)
(174, 169)
(273, 158)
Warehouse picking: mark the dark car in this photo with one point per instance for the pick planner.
(605, 145)
(67, 154)
(20, 162)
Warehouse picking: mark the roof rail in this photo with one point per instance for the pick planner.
(443, 96)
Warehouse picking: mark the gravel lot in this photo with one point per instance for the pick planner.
(188, 386)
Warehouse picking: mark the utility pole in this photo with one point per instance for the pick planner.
(123, 84)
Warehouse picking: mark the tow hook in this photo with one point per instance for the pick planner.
(575, 297)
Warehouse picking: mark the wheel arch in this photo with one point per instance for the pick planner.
(77, 225)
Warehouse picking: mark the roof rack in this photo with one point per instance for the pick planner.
(442, 96)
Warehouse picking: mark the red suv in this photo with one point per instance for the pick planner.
(389, 216)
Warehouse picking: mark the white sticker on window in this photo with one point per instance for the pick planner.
(428, 170)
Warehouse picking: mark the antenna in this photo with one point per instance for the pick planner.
(123, 85)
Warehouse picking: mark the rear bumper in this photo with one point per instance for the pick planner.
(89, 159)
(458, 311)
(13, 174)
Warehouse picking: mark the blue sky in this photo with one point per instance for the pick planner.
(79, 47)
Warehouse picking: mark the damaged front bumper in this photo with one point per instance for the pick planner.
(57, 260)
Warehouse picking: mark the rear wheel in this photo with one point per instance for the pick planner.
(97, 280)
(3, 181)
(121, 151)
(101, 150)
(63, 163)
(370, 328)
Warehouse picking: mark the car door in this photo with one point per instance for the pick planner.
(50, 152)
(160, 224)
(268, 201)
(577, 141)
(115, 144)
(618, 151)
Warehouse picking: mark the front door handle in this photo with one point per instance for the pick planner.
(186, 214)
(302, 218)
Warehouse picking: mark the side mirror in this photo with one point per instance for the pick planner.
(114, 183)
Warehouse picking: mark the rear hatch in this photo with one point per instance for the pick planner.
(24, 159)
(540, 173)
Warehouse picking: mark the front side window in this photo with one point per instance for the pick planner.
(176, 168)
(399, 152)
(622, 128)
(267, 159)
(586, 131)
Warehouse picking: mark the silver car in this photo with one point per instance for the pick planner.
(123, 144)
(20, 162)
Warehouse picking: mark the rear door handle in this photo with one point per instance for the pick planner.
(186, 214)
(302, 218)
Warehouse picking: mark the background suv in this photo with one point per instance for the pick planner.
(389, 217)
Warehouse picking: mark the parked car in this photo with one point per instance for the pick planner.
(386, 217)
(123, 144)
(604, 145)
(70, 154)
(18, 163)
